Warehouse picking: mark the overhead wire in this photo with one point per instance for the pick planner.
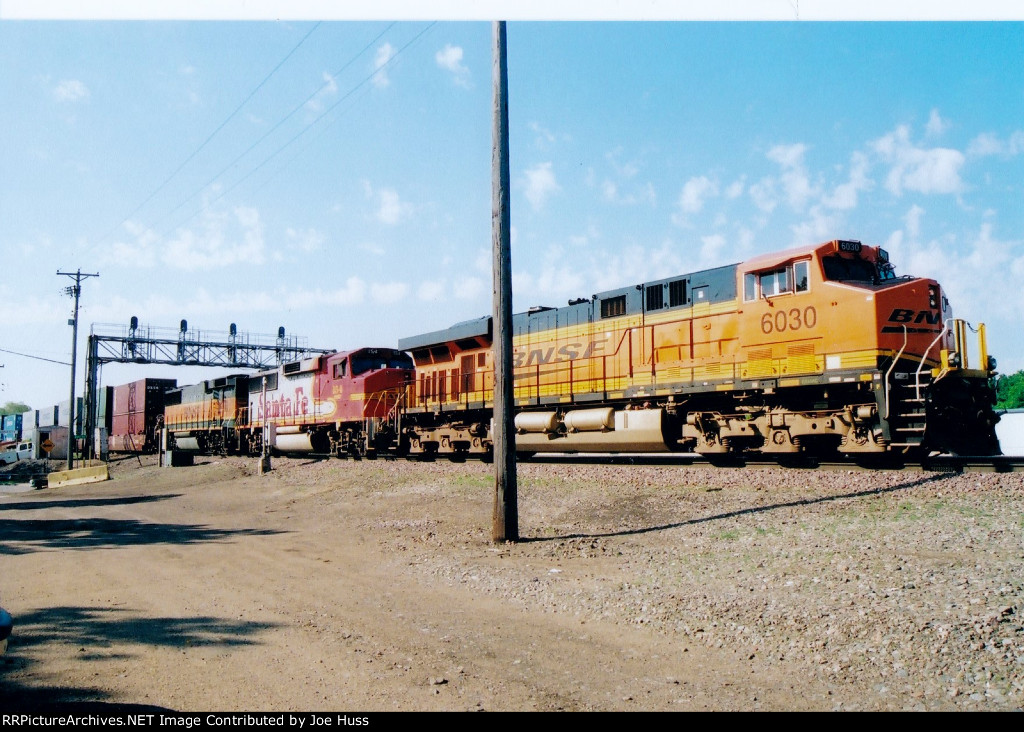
(302, 132)
(38, 358)
(273, 129)
(212, 134)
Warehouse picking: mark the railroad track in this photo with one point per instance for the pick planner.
(935, 463)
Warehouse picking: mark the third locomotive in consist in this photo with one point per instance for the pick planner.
(820, 350)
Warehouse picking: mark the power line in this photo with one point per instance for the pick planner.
(283, 147)
(38, 358)
(212, 134)
(273, 129)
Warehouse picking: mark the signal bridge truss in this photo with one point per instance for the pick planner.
(183, 347)
(143, 344)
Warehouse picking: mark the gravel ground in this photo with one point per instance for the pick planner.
(907, 588)
(786, 589)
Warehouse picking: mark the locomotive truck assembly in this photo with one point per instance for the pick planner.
(818, 350)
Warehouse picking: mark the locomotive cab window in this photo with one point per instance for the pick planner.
(774, 283)
(340, 369)
(801, 276)
(791, 278)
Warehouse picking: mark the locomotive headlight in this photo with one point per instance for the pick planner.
(991, 363)
(954, 360)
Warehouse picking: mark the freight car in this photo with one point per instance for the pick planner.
(346, 404)
(815, 350)
(138, 409)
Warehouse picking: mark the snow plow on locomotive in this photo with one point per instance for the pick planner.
(817, 350)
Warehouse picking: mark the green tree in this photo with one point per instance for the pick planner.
(1010, 391)
(14, 408)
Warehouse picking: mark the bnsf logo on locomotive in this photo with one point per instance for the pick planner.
(568, 352)
(903, 315)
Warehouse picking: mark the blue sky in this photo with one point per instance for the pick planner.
(334, 177)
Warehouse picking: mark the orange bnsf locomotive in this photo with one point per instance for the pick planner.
(341, 403)
(818, 350)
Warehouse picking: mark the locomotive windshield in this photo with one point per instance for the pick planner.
(367, 360)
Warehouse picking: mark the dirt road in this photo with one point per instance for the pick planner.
(374, 586)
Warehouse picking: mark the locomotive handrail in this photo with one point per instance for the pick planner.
(895, 360)
(920, 366)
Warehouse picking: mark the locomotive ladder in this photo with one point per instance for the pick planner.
(909, 421)
(905, 402)
(908, 416)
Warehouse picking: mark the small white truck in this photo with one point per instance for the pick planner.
(14, 453)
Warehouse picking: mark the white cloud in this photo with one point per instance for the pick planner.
(643, 194)
(70, 90)
(389, 293)
(913, 221)
(352, 293)
(695, 192)
(390, 208)
(793, 185)
(329, 89)
(820, 227)
(450, 59)
(543, 136)
(764, 195)
(380, 61)
(990, 144)
(469, 288)
(735, 189)
(621, 187)
(540, 184)
(371, 247)
(224, 240)
(924, 170)
(220, 240)
(795, 180)
(845, 195)
(627, 169)
(308, 240)
(139, 251)
(936, 125)
(711, 248)
(431, 291)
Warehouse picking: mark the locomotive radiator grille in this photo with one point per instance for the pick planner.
(800, 359)
(759, 363)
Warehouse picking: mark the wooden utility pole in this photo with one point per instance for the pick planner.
(75, 290)
(505, 524)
